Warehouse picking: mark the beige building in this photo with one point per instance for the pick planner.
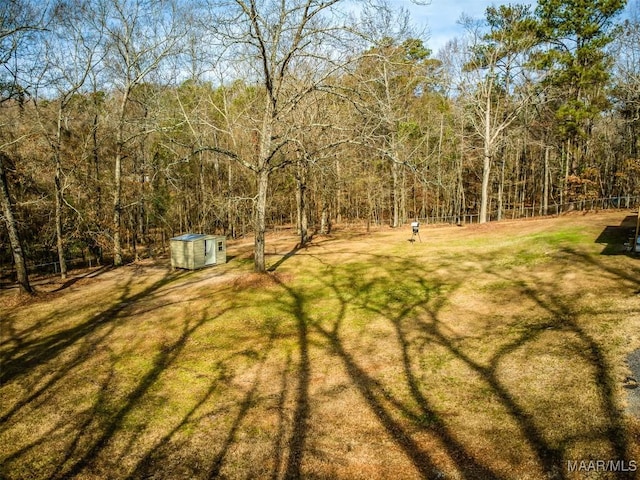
(196, 250)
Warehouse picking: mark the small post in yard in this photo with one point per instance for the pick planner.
(415, 231)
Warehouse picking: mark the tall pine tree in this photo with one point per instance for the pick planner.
(574, 35)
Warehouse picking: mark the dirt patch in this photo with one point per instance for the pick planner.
(18, 299)
(260, 280)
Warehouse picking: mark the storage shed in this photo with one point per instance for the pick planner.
(196, 250)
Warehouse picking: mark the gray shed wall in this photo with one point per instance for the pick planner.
(181, 256)
(221, 255)
(197, 253)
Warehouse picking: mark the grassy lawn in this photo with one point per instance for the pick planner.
(484, 352)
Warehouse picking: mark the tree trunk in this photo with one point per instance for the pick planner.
(59, 202)
(96, 164)
(403, 197)
(545, 186)
(486, 167)
(202, 202)
(325, 218)
(462, 208)
(635, 237)
(117, 192)
(395, 166)
(338, 205)
(260, 220)
(301, 201)
(58, 194)
(262, 171)
(14, 236)
(501, 188)
(117, 210)
(567, 198)
(486, 175)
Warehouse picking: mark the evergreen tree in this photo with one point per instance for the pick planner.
(575, 34)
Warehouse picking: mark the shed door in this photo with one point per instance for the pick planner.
(209, 252)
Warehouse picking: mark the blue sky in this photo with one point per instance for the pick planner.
(441, 16)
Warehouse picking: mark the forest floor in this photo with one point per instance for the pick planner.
(482, 352)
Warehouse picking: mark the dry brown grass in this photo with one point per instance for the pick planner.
(484, 352)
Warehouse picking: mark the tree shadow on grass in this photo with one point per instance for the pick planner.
(59, 429)
(386, 407)
(409, 313)
(69, 282)
(562, 321)
(54, 358)
(163, 360)
(285, 257)
(548, 456)
(296, 444)
(279, 445)
(630, 275)
(85, 444)
(383, 404)
(404, 295)
(565, 317)
(212, 466)
(28, 354)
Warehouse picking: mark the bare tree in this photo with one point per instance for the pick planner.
(390, 79)
(71, 53)
(12, 228)
(289, 49)
(497, 81)
(19, 21)
(627, 76)
(141, 36)
(315, 148)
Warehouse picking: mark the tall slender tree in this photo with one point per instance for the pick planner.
(574, 36)
(141, 35)
(391, 76)
(19, 22)
(71, 52)
(500, 89)
(626, 79)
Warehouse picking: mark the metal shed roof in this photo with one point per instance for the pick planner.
(189, 237)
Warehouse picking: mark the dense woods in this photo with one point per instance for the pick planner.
(126, 122)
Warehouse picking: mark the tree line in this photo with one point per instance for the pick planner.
(125, 122)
